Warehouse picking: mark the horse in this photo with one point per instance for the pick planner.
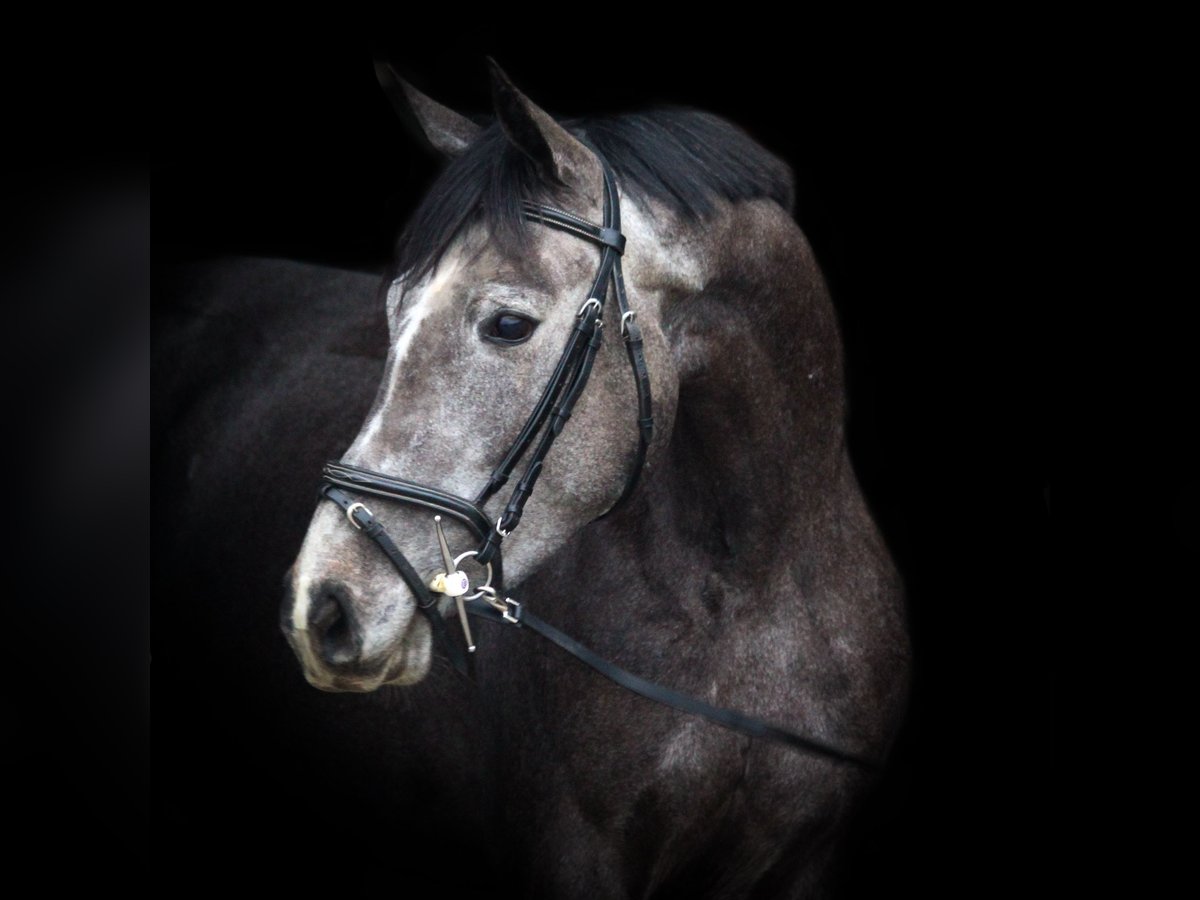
(725, 551)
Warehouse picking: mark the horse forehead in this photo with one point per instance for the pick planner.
(549, 264)
(548, 260)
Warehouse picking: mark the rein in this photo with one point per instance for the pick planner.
(341, 482)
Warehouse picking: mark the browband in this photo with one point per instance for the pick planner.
(565, 221)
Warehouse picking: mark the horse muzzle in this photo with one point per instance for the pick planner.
(346, 645)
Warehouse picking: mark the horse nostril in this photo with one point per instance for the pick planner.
(332, 625)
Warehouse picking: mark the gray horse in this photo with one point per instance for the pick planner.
(744, 570)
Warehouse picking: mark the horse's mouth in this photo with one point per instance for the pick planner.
(403, 663)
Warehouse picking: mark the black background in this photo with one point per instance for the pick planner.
(911, 158)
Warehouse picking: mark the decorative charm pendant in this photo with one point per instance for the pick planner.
(453, 585)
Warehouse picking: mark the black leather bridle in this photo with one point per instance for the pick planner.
(342, 482)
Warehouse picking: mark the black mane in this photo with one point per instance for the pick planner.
(682, 158)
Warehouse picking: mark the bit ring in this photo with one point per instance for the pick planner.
(483, 588)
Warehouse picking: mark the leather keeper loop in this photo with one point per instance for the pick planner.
(610, 237)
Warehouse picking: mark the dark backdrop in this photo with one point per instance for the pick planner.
(910, 158)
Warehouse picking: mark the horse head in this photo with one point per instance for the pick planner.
(480, 302)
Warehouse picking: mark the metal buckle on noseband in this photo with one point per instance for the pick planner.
(350, 513)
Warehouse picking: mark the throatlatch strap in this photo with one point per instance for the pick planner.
(631, 332)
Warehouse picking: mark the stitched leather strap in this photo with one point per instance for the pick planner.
(366, 481)
(632, 334)
(576, 341)
(558, 418)
(609, 236)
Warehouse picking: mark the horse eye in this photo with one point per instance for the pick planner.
(509, 328)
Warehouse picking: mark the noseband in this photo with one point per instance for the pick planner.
(343, 482)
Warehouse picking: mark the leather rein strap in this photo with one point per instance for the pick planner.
(727, 718)
(549, 415)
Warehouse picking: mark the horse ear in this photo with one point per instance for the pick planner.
(449, 132)
(535, 133)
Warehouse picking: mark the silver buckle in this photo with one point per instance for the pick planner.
(626, 317)
(586, 303)
(509, 609)
(350, 513)
(515, 619)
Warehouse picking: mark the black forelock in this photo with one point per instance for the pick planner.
(685, 159)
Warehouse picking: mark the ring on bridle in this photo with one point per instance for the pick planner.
(550, 414)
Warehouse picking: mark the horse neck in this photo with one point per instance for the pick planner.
(751, 506)
(758, 444)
